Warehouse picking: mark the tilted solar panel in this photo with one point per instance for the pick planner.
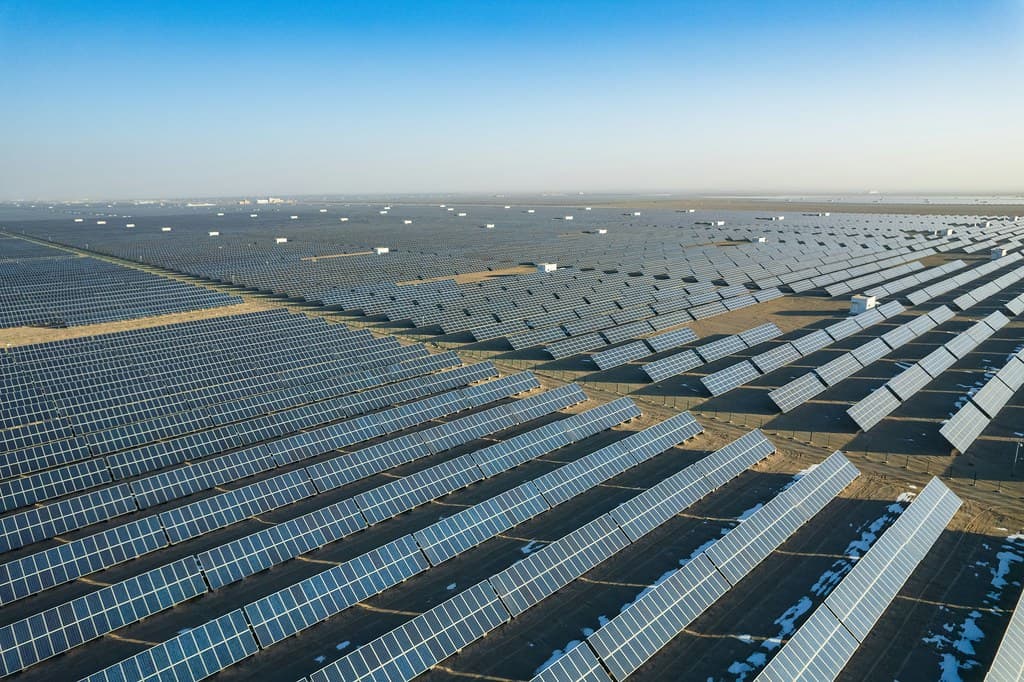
(874, 408)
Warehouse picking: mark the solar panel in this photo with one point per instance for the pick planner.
(837, 369)
(818, 651)
(1008, 663)
(614, 357)
(541, 573)
(578, 664)
(890, 309)
(672, 365)
(400, 495)
(772, 359)
(961, 344)
(70, 561)
(195, 654)
(709, 352)
(649, 623)
(908, 382)
(657, 616)
(306, 603)
(232, 561)
(455, 534)
(992, 397)
(64, 627)
(941, 314)
(41, 523)
(746, 545)
(797, 392)
(964, 427)
(873, 408)
(899, 336)
(871, 351)
(424, 641)
(937, 362)
(670, 340)
(920, 324)
(575, 345)
(863, 595)
(729, 378)
(842, 329)
(641, 514)
(1012, 374)
(760, 334)
(807, 344)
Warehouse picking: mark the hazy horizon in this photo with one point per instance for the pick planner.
(125, 101)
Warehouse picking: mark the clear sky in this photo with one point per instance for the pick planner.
(132, 99)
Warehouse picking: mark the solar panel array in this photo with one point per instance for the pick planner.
(964, 427)
(532, 579)
(877, 405)
(678, 363)
(1008, 664)
(47, 287)
(823, 645)
(649, 623)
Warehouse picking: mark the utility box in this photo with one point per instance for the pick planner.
(759, 240)
(380, 250)
(165, 229)
(280, 240)
(547, 267)
(861, 303)
(601, 230)
(998, 252)
(215, 234)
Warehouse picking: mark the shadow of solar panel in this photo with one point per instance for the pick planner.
(837, 369)
(1009, 659)
(937, 362)
(729, 378)
(193, 655)
(818, 651)
(424, 641)
(306, 603)
(872, 409)
(964, 427)
(578, 664)
(659, 370)
(797, 392)
(807, 344)
(865, 593)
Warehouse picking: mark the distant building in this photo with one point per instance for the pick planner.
(380, 250)
(547, 267)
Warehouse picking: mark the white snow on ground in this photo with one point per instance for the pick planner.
(749, 512)
(867, 535)
(956, 643)
(531, 546)
(451, 586)
(341, 646)
(971, 390)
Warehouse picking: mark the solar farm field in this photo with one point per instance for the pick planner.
(346, 441)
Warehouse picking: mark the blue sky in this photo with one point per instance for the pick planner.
(105, 99)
